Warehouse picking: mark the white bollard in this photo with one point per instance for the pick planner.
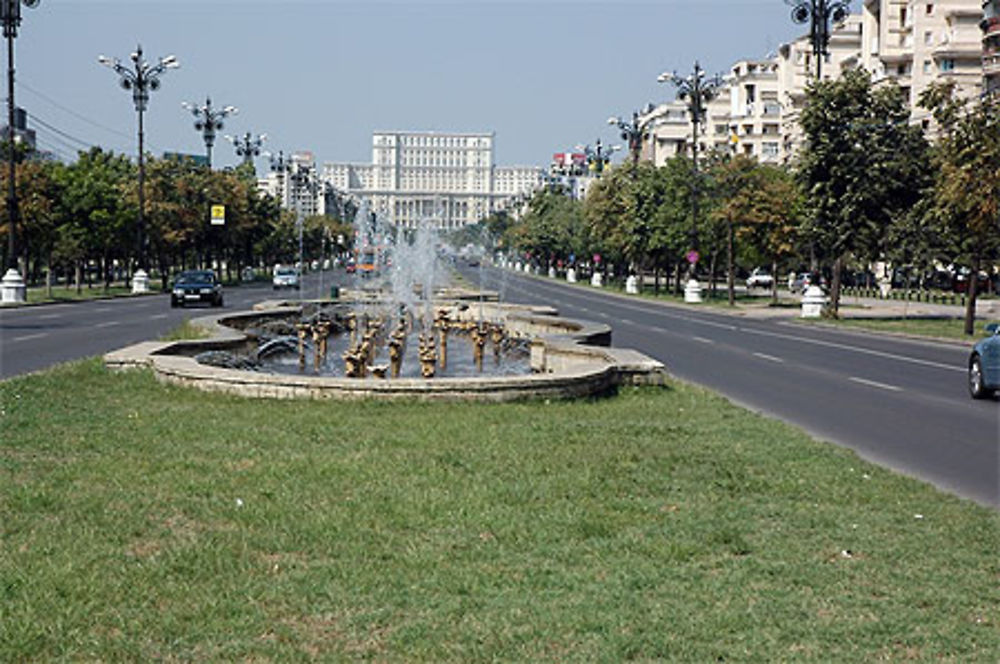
(12, 288)
(552, 272)
(813, 302)
(571, 276)
(517, 266)
(632, 285)
(140, 282)
(692, 291)
(595, 279)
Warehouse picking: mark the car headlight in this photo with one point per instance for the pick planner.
(178, 291)
(206, 290)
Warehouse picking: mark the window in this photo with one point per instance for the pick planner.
(947, 65)
(930, 8)
(927, 66)
(928, 38)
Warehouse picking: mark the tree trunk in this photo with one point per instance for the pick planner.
(678, 275)
(48, 277)
(835, 286)
(970, 302)
(78, 276)
(774, 280)
(730, 267)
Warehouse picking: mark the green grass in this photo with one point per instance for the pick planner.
(939, 328)
(186, 330)
(69, 294)
(145, 522)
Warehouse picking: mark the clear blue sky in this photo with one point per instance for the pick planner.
(321, 75)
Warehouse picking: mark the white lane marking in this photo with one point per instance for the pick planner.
(865, 351)
(626, 321)
(770, 358)
(107, 324)
(703, 340)
(50, 316)
(31, 336)
(157, 316)
(102, 310)
(872, 383)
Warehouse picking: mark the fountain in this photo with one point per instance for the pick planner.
(391, 335)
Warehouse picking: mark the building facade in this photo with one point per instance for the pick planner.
(296, 185)
(448, 178)
(991, 46)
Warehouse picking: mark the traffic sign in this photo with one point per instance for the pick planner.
(693, 257)
(218, 215)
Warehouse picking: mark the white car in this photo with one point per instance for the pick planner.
(285, 277)
(759, 278)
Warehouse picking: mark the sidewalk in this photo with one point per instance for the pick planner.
(859, 307)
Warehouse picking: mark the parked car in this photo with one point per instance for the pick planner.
(984, 364)
(194, 287)
(961, 283)
(804, 280)
(285, 277)
(350, 267)
(759, 278)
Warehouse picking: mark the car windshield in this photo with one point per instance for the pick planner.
(286, 271)
(196, 278)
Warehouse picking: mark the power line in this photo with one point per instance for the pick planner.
(43, 123)
(54, 137)
(49, 147)
(21, 84)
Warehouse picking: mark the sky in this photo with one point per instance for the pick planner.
(322, 75)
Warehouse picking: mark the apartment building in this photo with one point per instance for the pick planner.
(296, 185)
(917, 43)
(670, 131)
(991, 46)
(447, 177)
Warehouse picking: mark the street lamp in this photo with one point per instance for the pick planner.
(633, 132)
(208, 122)
(247, 146)
(140, 79)
(13, 286)
(819, 13)
(697, 91)
(598, 157)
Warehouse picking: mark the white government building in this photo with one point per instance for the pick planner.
(445, 177)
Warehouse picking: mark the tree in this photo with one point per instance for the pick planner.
(966, 192)
(860, 168)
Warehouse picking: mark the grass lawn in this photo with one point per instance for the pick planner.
(69, 294)
(941, 328)
(140, 521)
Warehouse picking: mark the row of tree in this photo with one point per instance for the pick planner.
(79, 221)
(867, 187)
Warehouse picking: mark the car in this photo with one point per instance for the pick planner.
(196, 287)
(984, 364)
(759, 278)
(285, 277)
(351, 267)
(804, 280)
(961, 283)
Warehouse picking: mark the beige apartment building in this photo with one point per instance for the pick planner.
(991, 46)
(448, 178)
(917, 43)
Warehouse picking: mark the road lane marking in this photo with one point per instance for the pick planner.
(102, 310)
(26, 337)
(703, 340)
(873, 383)
(770, 358)
(855, 349)
(107, 324)
(626, 321)
(50, 316)
(158, 316)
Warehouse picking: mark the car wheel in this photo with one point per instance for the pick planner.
(976, 388)
(173, 303)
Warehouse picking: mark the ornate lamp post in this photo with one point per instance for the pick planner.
(633, 132)
(140, 80)
(598, 157)
(819, 13)
(697, 91)
(13, 288)
(208, 122)
(247, 146)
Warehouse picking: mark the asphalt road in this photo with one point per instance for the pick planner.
(37, 337)
(900, 403)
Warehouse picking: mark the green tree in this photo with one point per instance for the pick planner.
(860, 168)
(966, 192)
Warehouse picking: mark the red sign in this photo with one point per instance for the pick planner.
(693, 257)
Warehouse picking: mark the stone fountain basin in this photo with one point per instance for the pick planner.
(570, 358)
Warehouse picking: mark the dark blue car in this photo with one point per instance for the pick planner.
(984, 364)
(196, 286)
